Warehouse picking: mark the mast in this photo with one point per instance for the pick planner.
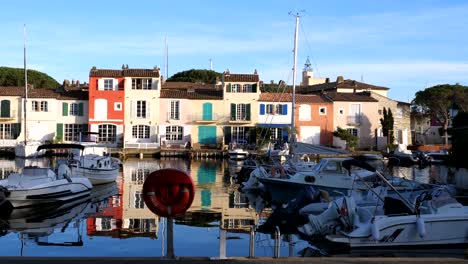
(25, 87)
(293, 125)
(166, 59)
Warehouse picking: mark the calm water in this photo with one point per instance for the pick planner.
(117, 223)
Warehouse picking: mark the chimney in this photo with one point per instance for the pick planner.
(73, 82)
(327, 80)
(66, 83)
(77, 83)
(339, 79)
(255, 72)
(94, 69)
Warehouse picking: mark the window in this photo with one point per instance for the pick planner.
(281, 109)
(141, 84)
(9, 131)
(322, 110)
(237, 134)
(174, 133)
(241, 113)
(247, 88)
(107, 133)
(141, 131)
(44, 107)
(141, 109)
(270, 109)
(118, 106)
(108, 84)
(235, 88)
(72, 132)
(174, 111)
(139, 175)
(35, 106)
(353, 131)
(74, 109)
(276, 134)
(139, 202)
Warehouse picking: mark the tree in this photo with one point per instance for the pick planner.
(343, 134)
(193, 75)
(387, 123)
(15, 77)
(437, 101)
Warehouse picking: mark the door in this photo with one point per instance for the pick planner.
(5, 108)
(207, 112)
(207, 135)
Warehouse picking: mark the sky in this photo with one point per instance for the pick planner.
(404, 45)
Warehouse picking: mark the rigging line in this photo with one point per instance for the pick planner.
(308, 45)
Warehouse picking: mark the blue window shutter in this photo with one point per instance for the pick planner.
(262, 109)
(285, 109)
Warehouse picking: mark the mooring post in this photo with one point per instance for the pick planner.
(276, 250)
(251, 242)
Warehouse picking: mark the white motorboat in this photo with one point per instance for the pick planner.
(328, 175)
(98, 169)
(237, 151)
(44, 186)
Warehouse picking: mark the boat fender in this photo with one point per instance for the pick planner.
(375, 231)
(421, 227)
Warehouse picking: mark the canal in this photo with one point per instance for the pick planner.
(116, 221)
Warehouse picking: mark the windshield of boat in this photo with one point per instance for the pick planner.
(328, 166)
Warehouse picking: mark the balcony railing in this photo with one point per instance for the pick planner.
(142, 145)
(8, 143)
(354, 119)
(204, 118)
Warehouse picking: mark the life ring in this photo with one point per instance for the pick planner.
(168, 192)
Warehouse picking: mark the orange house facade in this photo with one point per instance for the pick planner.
(314, 119)
(106, 104)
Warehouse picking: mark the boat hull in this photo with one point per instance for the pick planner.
(402, 231)
(58, 192)
(96, 176)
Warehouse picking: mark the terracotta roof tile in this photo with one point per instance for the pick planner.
(229, 77)
(188, 85)
(44, 93)
(124, 73)
(346, 84)
(350, 97)
(193, 94)
(287, 97)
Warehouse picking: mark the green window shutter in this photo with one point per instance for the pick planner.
(80, 109)
(228, 88)
(233, 111)
(65, 109)
(59, 132)
(84, 128)
(247, 112)
(254, 88)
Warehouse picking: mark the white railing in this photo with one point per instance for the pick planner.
(142, 145)
(7, 142)
(201, 117)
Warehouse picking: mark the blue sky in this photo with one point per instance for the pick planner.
(404, 45)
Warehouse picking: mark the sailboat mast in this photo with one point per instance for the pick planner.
(293, 125)
(25, 87)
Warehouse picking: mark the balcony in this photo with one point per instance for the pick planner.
(204, 118)
(239, 120)
(354, 120)
(8, 116)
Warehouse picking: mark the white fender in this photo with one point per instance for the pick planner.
(375, 231)
(421, 227)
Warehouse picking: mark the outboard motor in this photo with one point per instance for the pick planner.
(339, 212)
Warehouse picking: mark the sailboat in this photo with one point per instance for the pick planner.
(26, 149)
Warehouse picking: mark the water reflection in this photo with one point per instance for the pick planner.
(114, 221)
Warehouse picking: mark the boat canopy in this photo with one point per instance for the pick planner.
(61, 146)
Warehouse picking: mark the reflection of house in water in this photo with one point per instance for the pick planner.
(138, 221)
(215, 201)
(7, 167)
(107, 221)
(15, 165)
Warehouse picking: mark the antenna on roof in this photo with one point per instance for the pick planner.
(211, 64)
(166, 58)
(362, 78)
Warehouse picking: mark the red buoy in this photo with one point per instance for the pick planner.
(168, 192)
